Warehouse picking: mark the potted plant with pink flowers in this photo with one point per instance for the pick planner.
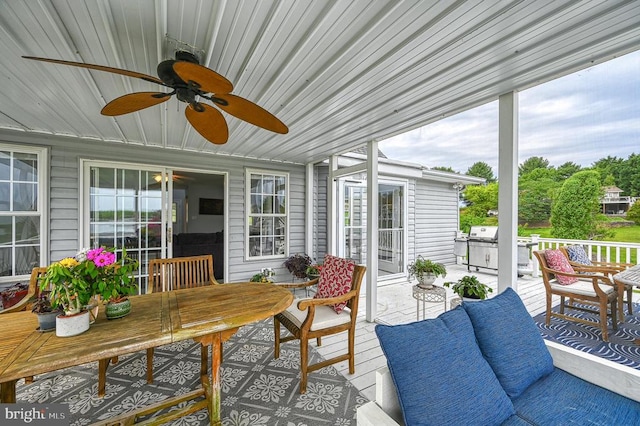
(74, 281)
(112, 280)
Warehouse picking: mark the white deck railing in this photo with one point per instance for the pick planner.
(602, 251)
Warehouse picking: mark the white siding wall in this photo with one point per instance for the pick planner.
(435, 221)
(64, 194)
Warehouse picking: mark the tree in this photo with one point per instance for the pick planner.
(535, 197)
(482, 170)
(609, 181)
(629, 178)
(531, 164)
(444, 169)
(608, 166)
(634, 213)
(574, 212)
(568, 169)
(481, 199)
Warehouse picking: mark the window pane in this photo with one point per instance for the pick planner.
(281, 204)
(25, 167)
(256, 203)
(6, 230)
(5, 165)
(279, 244)
(25, 197)
(6, 262)
(27, 230)
(267, 246)
(27, 258)
(256, 184)
(5, 197)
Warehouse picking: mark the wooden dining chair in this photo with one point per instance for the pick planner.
(167, 275)
(32, 292)
(317, 317)
(180, 272)
(578, 257)
(597, 292)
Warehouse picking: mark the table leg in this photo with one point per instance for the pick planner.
(8, 392)
(214, 389)
(417, 310)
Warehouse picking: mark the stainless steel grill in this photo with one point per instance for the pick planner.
(482, 245)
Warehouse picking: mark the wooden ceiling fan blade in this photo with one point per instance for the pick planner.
(134, 102)
(128, 73)
(251, 113)
(209, 122)
(208, 80)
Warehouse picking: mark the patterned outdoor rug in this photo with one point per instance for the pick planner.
(256, 388)
(621, 348)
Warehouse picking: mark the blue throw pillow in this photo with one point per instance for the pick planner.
(440, 374)
(510, 341)
(577, 254)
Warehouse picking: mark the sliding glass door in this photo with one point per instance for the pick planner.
(125, 211)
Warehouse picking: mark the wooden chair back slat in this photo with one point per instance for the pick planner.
(180, 272)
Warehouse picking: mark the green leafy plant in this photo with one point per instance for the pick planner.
(314, 270)
(469, 286)
(422, 267)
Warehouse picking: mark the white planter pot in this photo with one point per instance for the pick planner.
(426, 281)
(72, 325)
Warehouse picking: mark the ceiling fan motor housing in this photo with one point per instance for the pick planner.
(168, 75)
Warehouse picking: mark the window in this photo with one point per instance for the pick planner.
(267, 213)
(22, 173)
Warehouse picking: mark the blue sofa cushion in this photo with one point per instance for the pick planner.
(440, 375)
(510, 341)
(553, 399)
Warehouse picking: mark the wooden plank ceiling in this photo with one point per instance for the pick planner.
(338, 73)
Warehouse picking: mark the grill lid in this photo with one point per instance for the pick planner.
(483, 233)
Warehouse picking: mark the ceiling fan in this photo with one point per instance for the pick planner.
(190, 82)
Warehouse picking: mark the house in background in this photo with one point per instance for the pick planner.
(341, 75)
(613, 203)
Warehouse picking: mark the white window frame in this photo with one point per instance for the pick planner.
(248, 214)
(42, 155)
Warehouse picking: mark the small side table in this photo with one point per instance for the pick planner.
(435, 294)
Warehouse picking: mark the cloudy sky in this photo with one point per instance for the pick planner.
(581, 118)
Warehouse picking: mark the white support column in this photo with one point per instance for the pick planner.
(508, 191)
(372, 231)
(309, 212)
(332, 189)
